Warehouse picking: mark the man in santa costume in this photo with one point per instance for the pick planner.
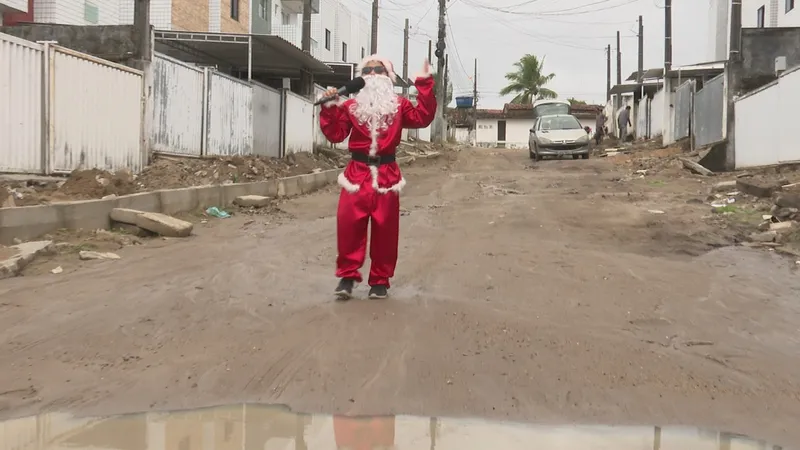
(371, 182)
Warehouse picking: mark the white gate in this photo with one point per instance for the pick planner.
(177, 125)
(229, 120)
(266, 121)
(20, 105)
(95, 113)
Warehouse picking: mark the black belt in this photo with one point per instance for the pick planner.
(377, 160)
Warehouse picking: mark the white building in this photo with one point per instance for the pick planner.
(13, 6)
(337, 34)
(755, 14)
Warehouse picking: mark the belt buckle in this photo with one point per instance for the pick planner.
(373, 160)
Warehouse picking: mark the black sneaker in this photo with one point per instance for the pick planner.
(345, 289)
(378, 292)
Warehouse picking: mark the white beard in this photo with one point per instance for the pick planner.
(376, 103)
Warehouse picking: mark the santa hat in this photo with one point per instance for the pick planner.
(384, 62)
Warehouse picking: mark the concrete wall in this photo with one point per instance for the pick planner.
(517, 132)
(71, 12)
(30, 222)
(760, 47)
(113, 42)
(16, 6)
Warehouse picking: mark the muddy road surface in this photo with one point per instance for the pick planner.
(549, 293)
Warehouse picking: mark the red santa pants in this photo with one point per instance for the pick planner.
(355, 212)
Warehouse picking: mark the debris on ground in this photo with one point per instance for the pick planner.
(13, 259)
(165, 172)
(88, 255)
(157, 223)
(213, 211)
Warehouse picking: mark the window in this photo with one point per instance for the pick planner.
(344, 52)
(363, 53)
(760, 17)
(284, 19)
(262, 9)
(90, 13)
(235, 10)
(327, 39)
(789, 5)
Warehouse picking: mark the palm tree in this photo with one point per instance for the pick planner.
(528, 82)
(575, 101)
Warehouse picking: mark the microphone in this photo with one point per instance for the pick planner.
(352, 86)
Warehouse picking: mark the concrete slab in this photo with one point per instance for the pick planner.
(125, 215)
(164, 225)
(252, 201)
(24, 254)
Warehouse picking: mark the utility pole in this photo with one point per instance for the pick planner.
(640, 77)
(374, 38)
(306, 79)
(668, 36)
(618, 102)
(446, 77)
(438, 123)
(430, 55)
(475, 96)
(608, 72)
(405, 59)
(141, 23)
(733, 81)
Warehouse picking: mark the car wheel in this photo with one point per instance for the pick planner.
(585, 156)
(530, 152)
(576, 156)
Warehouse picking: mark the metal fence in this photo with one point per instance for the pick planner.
(177, 107)
(21, 103)
(684, 96)
(708, 112)
(229, 116)
(266, 121)
(95, 113)
(299, 124)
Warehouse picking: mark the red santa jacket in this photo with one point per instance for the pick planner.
(337, 122)
(363, 433)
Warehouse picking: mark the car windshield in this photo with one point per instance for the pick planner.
(559, 123)
(551, 109)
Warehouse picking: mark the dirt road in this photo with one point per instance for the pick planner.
(548, 294)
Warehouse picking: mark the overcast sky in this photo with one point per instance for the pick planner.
(570, 34)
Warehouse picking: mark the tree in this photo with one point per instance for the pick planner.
(528, 81)
(575, 101)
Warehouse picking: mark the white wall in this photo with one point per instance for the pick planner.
(768, 139)
(517, 132)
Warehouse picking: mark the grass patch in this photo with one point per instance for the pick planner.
(657, 183)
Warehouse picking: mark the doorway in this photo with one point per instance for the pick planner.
(501, 133)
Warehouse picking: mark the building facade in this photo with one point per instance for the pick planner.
(337, 34)
(755, 14)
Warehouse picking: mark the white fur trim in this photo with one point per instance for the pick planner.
(373, 134)
(396, 188)
(373, 171)
(346, 184)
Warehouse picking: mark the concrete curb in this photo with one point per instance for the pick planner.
(30, 222)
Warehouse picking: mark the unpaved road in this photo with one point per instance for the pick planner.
(546, 294)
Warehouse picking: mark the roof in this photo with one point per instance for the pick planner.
(460, 116)
(650, 87)
(271, 55)
(696, 70)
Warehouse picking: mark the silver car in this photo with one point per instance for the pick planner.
(558, 135)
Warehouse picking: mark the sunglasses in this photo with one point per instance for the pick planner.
(377, 70)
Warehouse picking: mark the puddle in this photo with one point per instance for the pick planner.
(257, 427)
